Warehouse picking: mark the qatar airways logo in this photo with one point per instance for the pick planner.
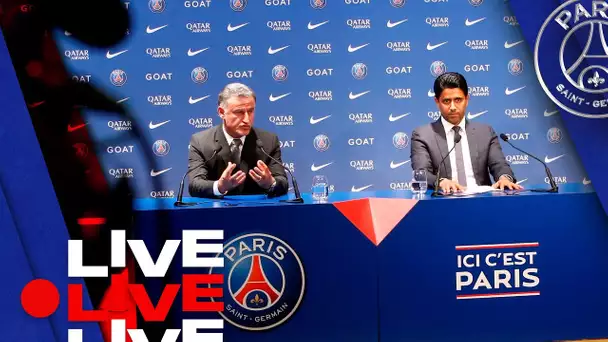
(321, 95)
(517, 159)
(279, 25)
(200, 123)
(159, 52)
(162, 194)
(510, 20)
(77, 55)
(239, 50)
(281, 120)
(438, 21)
(477, 44)
(121, 173)
(360, 118)
(362, 165)
(479, 91)
(321, 48)
(399, 46)
(400, 93)
(198, 27)
(359, 24)
(517, 113)
(120, 125)
(160, 100)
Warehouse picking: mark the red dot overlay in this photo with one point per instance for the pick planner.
(40, 298)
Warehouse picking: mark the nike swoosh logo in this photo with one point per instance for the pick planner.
(433, 47)
(197, 100)
(74, 128)
(509, 92)
(550, 113)
(276, 98)
(152, 30)
(431, 93)
(156, 173)
(473, 116)
(314, 168)
(35, 104)
(353, 189)
(312, 26)
(153, 126)
(194, 53)
(550, 160)
(112, 55)
(392, 118)
(521, 181)
(314, 121)
(390, 24)
(353, 49)
(586, 181)
(510, 45)
(396, 165)
(234, 28)
(355, 96)
(122, 100)
(272, 51)
(473, 22)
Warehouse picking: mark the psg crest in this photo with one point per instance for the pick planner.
(570, 56)
(264, 281)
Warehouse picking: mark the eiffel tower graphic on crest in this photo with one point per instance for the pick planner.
(258, 283)
(589, 72)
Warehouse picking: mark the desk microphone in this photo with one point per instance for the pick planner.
(457, 138)
(298, 198)
(554, 187)
(180, 193)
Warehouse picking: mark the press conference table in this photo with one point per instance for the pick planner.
(384, 266)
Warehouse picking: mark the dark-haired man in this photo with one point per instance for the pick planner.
(475, 157)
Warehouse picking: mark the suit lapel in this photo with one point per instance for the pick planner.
(471, 139)
(442, 144)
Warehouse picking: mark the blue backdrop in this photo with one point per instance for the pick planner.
(355, 75)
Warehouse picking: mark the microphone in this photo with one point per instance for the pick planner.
(554, 187)
(298, 198)
(180, 193)
(457, 138)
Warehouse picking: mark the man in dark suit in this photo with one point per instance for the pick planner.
(240, 167)
(475, 157)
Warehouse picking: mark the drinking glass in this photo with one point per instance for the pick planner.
(419, 181)
(320, 188)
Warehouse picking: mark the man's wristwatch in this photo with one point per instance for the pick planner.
(269, 190)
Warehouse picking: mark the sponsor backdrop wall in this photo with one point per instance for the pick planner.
(342, 82)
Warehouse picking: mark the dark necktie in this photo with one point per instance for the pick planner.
(462, 177)
(235, 153)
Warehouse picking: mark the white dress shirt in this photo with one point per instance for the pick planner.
(229, 139)
(466, 154)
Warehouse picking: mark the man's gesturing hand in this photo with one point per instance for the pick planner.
(227, 181)
(262, 175)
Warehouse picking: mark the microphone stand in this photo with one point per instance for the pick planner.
(554, 187)
(296, 190)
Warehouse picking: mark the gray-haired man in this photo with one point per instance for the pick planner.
(240, 167)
